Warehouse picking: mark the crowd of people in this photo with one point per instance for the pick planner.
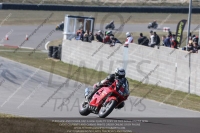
(106, 38)
(154, 40)
(168, 40)
(193, 45)
(84, 36)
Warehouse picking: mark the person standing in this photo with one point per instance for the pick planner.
(129, 39)
(152, 39)
(143, 40)
(174, 43)
(157, 39)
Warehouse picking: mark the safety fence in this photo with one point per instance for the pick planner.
(142, 9)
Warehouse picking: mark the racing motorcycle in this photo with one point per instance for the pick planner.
(110, 26)
(60, 27)
(152, 26)
(104, 101)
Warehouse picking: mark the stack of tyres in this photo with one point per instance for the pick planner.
(55, 52)
(59, 51)
(50, 51)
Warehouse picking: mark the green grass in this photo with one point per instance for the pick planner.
(90, 76)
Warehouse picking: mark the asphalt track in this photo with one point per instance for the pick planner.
(28, 91)
(45, 33)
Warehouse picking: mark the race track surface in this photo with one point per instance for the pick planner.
(45, 33)
(32, 92)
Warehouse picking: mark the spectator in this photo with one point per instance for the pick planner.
(153, 39)
(195, 48)
(78, 36)
(106, 39)
(113, 41)
(99, 36)
(169, 33)
(190, 36)
(85, 37)
(198, 45)
(143, 40)
(82, 34)
(77, 32)
(163, 40)
(157, 39)
(90, 37)
(129, 39)
(167, 42)
(195, 38)
(174, 43)
(189, 46)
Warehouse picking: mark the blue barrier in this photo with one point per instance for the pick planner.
(138, 9)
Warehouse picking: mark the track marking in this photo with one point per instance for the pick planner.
(46, 45)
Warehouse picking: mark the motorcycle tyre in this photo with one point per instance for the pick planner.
(112, 106)
(84, 111)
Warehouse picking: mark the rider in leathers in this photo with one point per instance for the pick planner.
(122, 82)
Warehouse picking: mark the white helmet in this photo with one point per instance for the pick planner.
(100, 31)
(128, 34)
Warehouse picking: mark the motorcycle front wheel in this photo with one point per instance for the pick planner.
(84, 109)
(105, 111)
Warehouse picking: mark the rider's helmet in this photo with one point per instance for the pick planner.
(100, 31)
(128, 34)
(120, 73)
(108, 32)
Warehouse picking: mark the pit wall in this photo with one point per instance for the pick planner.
(174, 69)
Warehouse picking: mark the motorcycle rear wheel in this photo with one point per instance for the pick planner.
(109, 108)
(84, 109)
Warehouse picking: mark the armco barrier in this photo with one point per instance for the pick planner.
(176, 70)
(142, 9)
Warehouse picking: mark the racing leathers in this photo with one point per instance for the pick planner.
(122, 87)
(128, 40)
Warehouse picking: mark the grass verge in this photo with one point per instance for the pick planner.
(91, 76)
